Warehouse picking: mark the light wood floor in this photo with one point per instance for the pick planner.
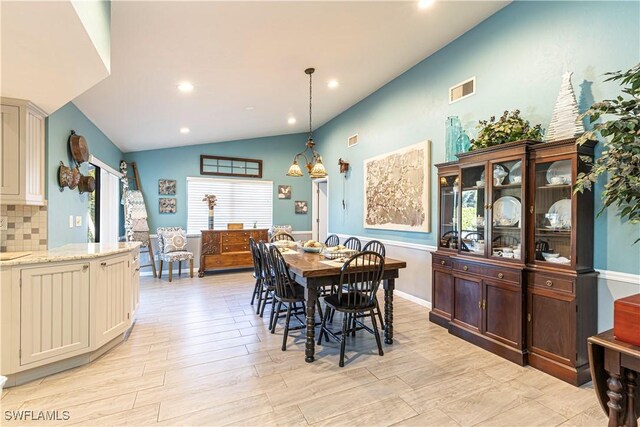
(198, 355)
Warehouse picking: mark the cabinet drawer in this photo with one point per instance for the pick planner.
(234, 238)
(550, 282)
(441, 262)
(487, 271)
(236, 247)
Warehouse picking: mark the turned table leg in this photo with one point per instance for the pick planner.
(631, 418)
(389, 285)
(311, 295)
(615, 399)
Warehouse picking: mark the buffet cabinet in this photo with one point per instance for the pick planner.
(223, 249)
(513, 272)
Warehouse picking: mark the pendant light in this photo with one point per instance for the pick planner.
(314, 167)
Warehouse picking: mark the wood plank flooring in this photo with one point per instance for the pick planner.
(198, 355)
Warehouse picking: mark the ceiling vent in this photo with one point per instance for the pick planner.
(462, 90)
(353, 140)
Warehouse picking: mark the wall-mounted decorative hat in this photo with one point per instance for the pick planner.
(68, 177)
(79, 148)
(87, 184)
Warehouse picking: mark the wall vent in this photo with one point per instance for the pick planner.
(352, 140)
(462, 90)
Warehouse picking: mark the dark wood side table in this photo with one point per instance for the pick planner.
(615, 367)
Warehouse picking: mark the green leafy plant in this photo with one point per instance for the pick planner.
(510, 127)
(620, 159)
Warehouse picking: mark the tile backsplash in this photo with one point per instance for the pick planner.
(26, 228)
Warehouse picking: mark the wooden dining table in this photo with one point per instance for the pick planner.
(313, 272)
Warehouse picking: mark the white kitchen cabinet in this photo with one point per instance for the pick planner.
(54, 313)
(113, 298)
(135, 283)
(22, 151)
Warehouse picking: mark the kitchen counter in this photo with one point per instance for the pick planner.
(72, 252)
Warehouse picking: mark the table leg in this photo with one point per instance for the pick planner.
(389, 285)
(201, 268)
(631, 417)
(615, 398)
(311, 296)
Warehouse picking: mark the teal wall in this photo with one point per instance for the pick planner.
(276, 153)
(518, 57)
(71, 202)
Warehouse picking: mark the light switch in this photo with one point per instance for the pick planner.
(78, 221)
(70, 221)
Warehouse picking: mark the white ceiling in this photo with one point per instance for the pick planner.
(241, 54)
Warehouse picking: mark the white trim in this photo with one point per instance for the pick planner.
(315, 188)
(418, 246)
(102, 165)
(295, 233)
(414, 299)
(618, 276)
(473, 79)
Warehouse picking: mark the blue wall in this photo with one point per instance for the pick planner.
(276, 153)
(518, 57)
(71, 202)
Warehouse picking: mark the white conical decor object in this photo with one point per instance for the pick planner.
(564, 121)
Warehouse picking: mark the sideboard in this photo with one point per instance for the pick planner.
(224, 249)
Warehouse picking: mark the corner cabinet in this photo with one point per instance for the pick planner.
(22, 151)
(513, 270)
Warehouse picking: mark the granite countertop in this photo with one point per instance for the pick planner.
(72, 252)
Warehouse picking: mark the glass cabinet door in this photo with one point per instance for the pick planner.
(473, 211)
(553, 209)
(506, 210)
(449, 204)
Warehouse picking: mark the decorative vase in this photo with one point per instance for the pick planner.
(210, 217)
(455, 139)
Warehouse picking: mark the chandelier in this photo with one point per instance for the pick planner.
(313, 163)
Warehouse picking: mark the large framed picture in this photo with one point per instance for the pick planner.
(396, 190)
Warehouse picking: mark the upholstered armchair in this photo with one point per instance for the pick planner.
(172, 242)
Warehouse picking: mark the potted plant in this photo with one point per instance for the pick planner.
(510, 127)
(620, 159)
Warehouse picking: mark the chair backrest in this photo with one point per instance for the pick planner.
(503, 240)
(541, 246)
(360, 278)
(332, 240)
(353, 243)
(283, 284)
(282, 236)
(160, 232)
(268, 273)
(375, 246)
(257, 258)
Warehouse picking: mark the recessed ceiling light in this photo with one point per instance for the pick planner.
(185, 130)
(333, 84)
(292, 120)
(185, 87)
(250, 108)
(424, 4)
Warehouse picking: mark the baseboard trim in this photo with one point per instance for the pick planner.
(412, 298)
(417, 246)
(618, 276)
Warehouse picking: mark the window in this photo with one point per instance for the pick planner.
(248, 202)
(103, 220)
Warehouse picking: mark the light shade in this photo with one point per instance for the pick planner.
(318, 170)
(294, 169)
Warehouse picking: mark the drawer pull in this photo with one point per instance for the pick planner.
(480, 304)
(465, 268)
(500, 276)
(85, 267)
(442, 262)
(103, 263)
(549, 283)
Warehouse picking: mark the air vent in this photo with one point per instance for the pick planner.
(353, 140)
(462, 90)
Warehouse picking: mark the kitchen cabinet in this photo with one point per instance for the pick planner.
(113, 298)
(22, 151)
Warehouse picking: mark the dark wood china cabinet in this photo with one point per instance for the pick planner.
(513, 272)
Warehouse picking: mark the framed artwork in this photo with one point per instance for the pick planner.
(396, 193)
(167, 204)
(167, 186)
(301, 207)
(284, 191)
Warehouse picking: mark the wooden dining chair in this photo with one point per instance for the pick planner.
(287, 293)
(257, 268)
(353, 243)
(332, 240)
(377, 247)
(267, 279)
(282, 236)
(355, 293)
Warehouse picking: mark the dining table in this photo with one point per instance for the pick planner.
(314, 272)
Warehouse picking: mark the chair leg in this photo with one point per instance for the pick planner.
(255, 291)
(323, 326)
(286, 328)
(179, 268)
(274, 317)
(160, 271)
(191, 267)
(377, 334)
(343, 339)
(379, 314)
(264, 302)
(170, 271)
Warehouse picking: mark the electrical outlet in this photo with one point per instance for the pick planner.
(3, 223)
(78, 221)
(70, 221)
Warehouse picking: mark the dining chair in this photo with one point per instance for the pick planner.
(172, 243)
(267, 278)
(504, 240)
(377, 247)
(282, 236)
(287, 293)
(332, 240)
(355, 293)
(257, 268)
(353, 243)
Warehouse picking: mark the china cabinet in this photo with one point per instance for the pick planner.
(513, 269)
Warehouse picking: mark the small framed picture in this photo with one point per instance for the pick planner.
(284, 191)
(167, 186)
(167, 204)
(301, 207)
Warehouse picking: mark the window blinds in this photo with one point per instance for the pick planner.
(240, 201)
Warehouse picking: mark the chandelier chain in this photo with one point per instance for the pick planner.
(310, 97)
